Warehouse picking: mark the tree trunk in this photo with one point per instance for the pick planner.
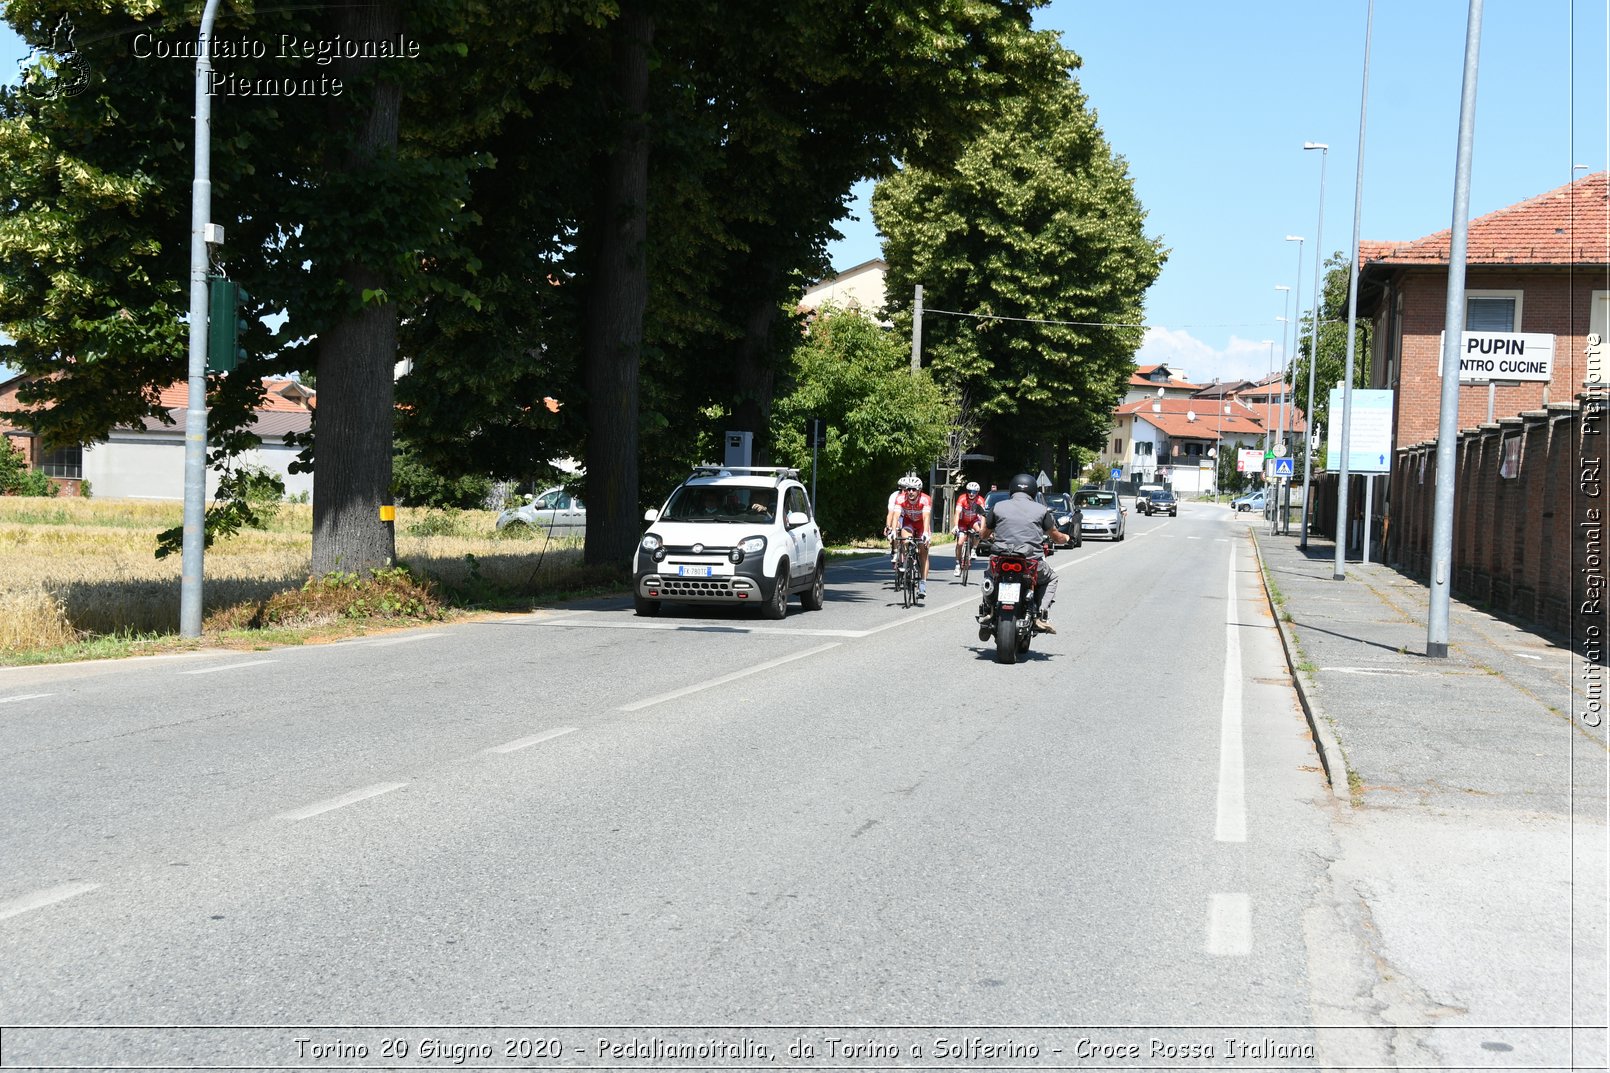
(617, 295)
(357, 354)
(755, 379)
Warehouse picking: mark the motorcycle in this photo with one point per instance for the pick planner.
(1008, 611)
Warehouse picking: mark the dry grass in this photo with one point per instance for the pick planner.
(86, 568)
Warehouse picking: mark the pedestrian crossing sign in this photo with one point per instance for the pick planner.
(1283, 467)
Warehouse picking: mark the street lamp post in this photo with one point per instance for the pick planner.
(1313, 345)
(1284, 371)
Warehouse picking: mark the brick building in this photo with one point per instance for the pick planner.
(1538, 267)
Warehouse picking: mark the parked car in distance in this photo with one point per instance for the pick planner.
(1101, 514)
(1160, 502)
(1250, 501)
(556, 510)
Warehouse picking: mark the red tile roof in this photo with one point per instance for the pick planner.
(1173, 417)
(1567, 225)
(177, 396)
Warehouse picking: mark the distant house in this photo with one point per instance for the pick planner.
(1535, 267)
(1157, 381)
(858, 288)
(1174, 441)
(148, 462)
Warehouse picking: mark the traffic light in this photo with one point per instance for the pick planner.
(224, 324)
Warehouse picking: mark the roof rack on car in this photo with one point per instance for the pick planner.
(781, 473)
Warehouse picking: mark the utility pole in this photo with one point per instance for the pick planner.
(195, 424)
(1454, 330)
(1345, 439)
(916, 332)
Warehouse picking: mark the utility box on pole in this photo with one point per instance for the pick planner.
(740, 449)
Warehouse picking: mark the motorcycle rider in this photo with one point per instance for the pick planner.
(969, 516)
(1021, 520)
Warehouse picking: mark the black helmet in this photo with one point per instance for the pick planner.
(1022, 483)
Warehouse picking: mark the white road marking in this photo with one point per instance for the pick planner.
(1229, 932)
(231, 666)
(1231, 824)
(25, 696)
(40, 899)
(382, 642)
(599, 620)
(521, 743)
(1376, 670)
(733, 677)
(344, 800)
(1527, 655)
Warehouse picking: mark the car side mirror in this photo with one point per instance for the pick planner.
(651, 516)
(797, 518)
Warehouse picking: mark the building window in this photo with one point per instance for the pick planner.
(1193, 450)
(1493, 311)
(1142, 447)
(1117, 447)
(63, 462)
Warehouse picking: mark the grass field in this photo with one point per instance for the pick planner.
(73, 570)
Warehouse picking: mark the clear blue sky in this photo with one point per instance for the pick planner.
(1211, 103)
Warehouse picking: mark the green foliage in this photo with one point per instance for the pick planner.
(1036, 222)
(416, 483)
(881, 419)
(248, 498)
(1331, 368)
(390, 593)
(16, 479)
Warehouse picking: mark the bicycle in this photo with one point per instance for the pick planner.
(964, 552)
(906, 568)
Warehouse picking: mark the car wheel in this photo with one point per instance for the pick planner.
(777, 606)
(642, 605)
(814, 597)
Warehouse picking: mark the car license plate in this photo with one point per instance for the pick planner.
(1010, 591)
(696, 571)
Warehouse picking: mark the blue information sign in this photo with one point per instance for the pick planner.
(1283, 467)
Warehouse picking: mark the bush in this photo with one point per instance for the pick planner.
(390, 593)
(16, 479)
(415, 484)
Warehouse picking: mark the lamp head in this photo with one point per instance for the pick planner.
(1294, 238)
(1316, 145)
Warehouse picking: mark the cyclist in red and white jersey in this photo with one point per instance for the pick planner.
(969, 516)
(913, 509)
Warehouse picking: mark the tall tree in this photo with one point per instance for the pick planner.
(1033, 243)
(1331, 369)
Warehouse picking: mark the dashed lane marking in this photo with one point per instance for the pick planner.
(40, 899)
(535, 739)
(333, 803)
(231, 666)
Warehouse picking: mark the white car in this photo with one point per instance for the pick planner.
(733, 535)
(556, 510)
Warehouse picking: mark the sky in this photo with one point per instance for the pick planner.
(1210, 104)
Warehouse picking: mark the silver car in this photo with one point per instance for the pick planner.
(1100, 513)
(555, 510)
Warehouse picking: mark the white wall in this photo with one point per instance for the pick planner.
(150, 466)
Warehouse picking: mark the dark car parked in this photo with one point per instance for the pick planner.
(1163, 502)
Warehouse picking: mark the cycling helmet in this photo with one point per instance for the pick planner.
(913, 482)
(1022, 483)
(906, 483)
(972, 486)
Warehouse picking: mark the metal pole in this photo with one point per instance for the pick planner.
(1313, 345)
(195, 424)
(1454, 323)
(916, 332)
(1345, 439)
(1288, 404)
(1369, 515)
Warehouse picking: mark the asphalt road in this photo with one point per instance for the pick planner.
(622, 833)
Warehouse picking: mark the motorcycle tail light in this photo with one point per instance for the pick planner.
(1014, 567)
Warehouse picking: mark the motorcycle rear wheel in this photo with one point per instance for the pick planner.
(1005, 637)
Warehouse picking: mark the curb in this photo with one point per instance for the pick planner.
(1325, 742)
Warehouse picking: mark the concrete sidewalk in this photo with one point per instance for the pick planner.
(1467, 905)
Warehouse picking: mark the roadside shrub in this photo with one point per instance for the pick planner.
(16, 479)
(390, 593)
(33, 619)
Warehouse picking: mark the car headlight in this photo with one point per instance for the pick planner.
(651, 543)
(748, 546)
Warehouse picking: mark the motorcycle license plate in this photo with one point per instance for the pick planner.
(1010, 592)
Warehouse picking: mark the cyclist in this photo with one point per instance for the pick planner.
(969, 517)
(889, 529)
(914, 510)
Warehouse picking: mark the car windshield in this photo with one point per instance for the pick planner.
(726, 503)
(1097, 500)
(1162, 497)
(1059, 503)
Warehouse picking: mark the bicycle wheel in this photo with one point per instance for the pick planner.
(908, 581)
(964, 556)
